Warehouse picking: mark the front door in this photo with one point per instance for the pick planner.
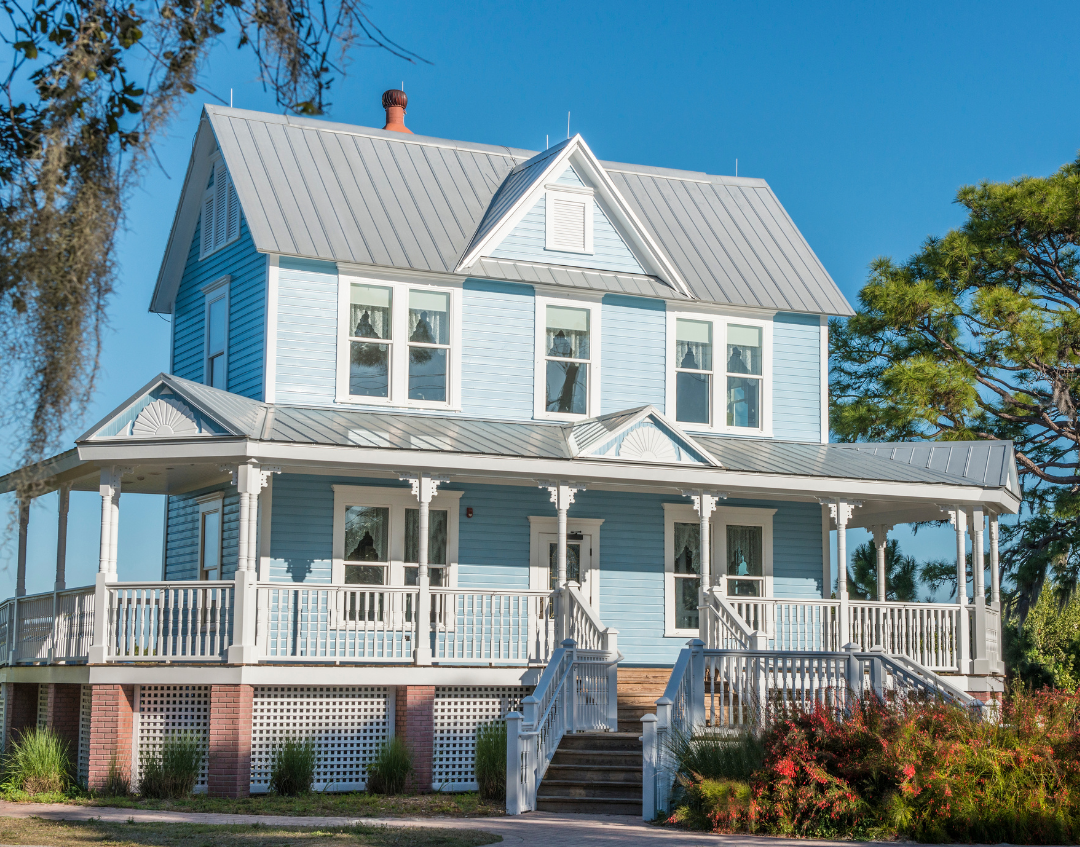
(579, 564)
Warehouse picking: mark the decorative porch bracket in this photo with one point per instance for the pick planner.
(562, 495)
(424, 489)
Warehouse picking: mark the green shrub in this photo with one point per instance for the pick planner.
(390, 770)
(37, 763)
(293, 768)
(491, 761)
(172, 771)
(717, 756)
(117, 781)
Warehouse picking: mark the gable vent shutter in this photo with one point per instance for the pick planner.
(207, 225)
(233, 224)
(568, 228)
(221, 197)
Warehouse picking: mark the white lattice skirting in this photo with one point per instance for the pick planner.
(459, 710)
(347, 723)
(162, 710)
(86, 702)
(42, 706)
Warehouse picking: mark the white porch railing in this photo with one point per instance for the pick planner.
(730, 690)
(169, 622)
(56, 627)
(491, 627)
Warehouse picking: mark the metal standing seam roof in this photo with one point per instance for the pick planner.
(989, 468)
(619, 283)
(353, 194)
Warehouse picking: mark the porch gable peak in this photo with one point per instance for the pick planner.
(638, 435)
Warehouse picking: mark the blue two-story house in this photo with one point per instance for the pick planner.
(434, 407)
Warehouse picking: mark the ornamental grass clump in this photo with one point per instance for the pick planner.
(919, 769)
(293, 768)
(491, 761)
(37, 763)
(391, 768)
(171, 771)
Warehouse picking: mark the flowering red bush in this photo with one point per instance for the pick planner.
(924, 770)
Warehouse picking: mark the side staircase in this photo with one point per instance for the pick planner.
(594, 773)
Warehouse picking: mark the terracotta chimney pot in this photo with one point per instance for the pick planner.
(395, 101)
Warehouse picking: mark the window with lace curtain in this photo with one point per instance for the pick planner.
(399, 344)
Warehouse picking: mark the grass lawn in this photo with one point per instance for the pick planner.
(87, 833)
(357, 804)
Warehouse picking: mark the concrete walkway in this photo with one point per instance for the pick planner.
(534, 828)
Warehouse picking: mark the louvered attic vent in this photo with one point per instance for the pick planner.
(569, 220)
(220, 211)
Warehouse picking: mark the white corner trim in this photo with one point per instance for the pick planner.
(270, 329)
(824, 320)
(826, 553)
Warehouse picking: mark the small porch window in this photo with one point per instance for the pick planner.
(366, 545)
(438, 524)
(210, 521)
(745, 561)
(687, 554)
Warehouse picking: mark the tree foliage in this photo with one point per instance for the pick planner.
(977, 336)
(901, 573)
(1045, 651)
(90, 85)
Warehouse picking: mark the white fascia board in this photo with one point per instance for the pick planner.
(187, 215)
(150, 386)
(303, 457)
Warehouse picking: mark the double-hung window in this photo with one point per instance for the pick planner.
(210, 521)
(718, 373)
(567, 378)
(216, 333)
(399, 345)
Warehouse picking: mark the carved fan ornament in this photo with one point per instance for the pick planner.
(164, 418)
(648, 444)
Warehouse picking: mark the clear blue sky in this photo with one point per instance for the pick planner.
(864, 118)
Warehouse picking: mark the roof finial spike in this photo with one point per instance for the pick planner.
(568, 126)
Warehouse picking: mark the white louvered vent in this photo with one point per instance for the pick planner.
(163, 710)
(220, 212)
(42, 706)
(347, 723)
(86, 701)
(569, 222)
(458, 712)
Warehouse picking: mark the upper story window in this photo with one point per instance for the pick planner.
(399, 344)
(567, 361)
(569, 216)
(220, 211)
(216, 330)
(728, 394)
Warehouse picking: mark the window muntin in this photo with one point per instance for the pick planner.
(693, 371)
(566, 353)
(367, 530)
(745, 561)
(687, 553)
(429, 344)
(217, 318)
(438, 527)
(744, 376)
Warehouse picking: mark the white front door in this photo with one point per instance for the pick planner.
(579, 563)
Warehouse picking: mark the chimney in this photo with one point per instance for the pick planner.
(395, 101)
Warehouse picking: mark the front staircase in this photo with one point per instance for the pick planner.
(594, 773)
(639, 689)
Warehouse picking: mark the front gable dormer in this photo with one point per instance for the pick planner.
(561, 208)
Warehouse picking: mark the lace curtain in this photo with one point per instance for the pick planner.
(437, 522)
(365, 533)
(429, 317)
(369, 314)
(687, 548)
(744, 551)
(693, 346)
(567, 333)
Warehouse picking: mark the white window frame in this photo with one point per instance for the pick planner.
(397, 500)
(723, 517)
(212, 293)
(573, 194)
(214, 502)
(399, 344)
(538, 564)
(595, 307)
(211, 200)
(718, 400)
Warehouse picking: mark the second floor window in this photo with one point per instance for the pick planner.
(693, 371)
(216, 329)
(567, 353)
(400, 344)
(744, 376)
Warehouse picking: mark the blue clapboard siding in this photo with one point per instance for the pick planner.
(182, 534)
(307, 304)
(526, 241)
(633, 332)
(247, 312)
(797, 377)
(493, 548)
(498, 338)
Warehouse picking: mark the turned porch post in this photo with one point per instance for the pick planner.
(562, 495)
(20, 562)
(963, 629)
(424, 489)
(841, 513)
(109, 489)
(61, 537)
(881, 542)
(249, 479)
(995, 574)
(981, 664)
(705, 504)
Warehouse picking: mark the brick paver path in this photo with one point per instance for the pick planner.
(538, 828)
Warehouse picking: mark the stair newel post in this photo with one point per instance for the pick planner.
(569, 691)
(611, 656)
(530, 707)
(514, 804)
(697, 683)
(877, 673)
(648, 767)
(663, 727)
(853, 673)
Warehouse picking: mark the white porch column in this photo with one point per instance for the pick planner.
(424, 489)
(562, 495)
(841, 510)
(995, 574)
(963, 648)
(881, 541)
(249, 479)
(981, 663)
(20, 562)
(705, 504)
(109, 489)
(61, 537)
